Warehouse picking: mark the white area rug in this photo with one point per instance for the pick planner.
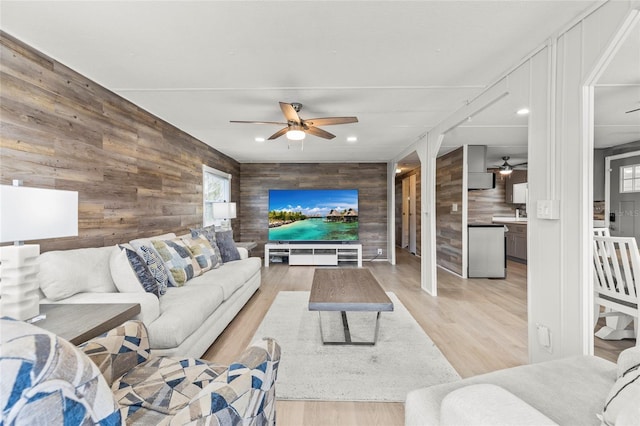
(404, 358)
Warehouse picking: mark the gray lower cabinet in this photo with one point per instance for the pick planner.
(517, 242)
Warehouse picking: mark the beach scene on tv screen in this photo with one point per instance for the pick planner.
(313, 215)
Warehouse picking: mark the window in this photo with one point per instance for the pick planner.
(630, 178)
(216, 186)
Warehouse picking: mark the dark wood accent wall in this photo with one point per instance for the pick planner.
(398, 208)
(136, 175)
(449, 180)
(483, 204)
(369, 178)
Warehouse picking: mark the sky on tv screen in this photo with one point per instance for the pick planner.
(316, 202)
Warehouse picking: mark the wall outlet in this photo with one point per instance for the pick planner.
(544, 337)
(379, 251)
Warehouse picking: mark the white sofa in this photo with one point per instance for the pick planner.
(571, 391)
(185, 321)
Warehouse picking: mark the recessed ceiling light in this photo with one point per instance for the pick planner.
(398, 171)
(259, 139)
(352, 139)
(523, 111)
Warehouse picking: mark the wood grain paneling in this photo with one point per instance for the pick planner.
(136, 175)
(483, 204)
(449, 230)
(370, 179)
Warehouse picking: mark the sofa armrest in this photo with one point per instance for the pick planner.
(245, 393)
(244, 253)
(487, 404)
(119, 350)
(149, 303)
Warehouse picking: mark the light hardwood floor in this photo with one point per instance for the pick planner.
(480, 325)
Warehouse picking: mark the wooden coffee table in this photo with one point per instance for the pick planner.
(348, 290)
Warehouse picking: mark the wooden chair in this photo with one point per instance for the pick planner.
(616, 262)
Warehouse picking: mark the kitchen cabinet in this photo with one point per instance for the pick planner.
(516, 237)
(516, 177)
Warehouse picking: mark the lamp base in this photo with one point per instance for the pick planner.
(19, 297)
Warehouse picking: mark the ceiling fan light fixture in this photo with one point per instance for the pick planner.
(523, 111)
(506, 171)
(295, 134)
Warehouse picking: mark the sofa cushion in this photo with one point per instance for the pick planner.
(227, 246)
(178, 260)
(209, 232)
(130, 272)
(156, 267)
(624, 398)
(230, 276)
(202, 252)
(182, 311)
(63, 273)
(164, 384)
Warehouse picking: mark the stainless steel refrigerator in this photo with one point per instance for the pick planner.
(487, 251)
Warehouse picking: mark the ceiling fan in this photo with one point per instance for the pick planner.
(296, 127)
(506, 168)
(633, 110)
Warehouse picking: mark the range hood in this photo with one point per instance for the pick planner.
(477, 175)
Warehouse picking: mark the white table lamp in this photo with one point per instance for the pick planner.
(224, 211)
(29, 214)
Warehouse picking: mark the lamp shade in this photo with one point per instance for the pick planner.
(37, 213)
(224, 210)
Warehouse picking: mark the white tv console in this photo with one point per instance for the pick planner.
(315, 254)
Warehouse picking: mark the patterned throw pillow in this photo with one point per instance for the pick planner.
(227, 246)
(133, 268)
(156, 267)
(202, 252)
(178, 259)
(210, 234)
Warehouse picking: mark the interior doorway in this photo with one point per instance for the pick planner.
(409, 213)
(622, 195)
(407, 204)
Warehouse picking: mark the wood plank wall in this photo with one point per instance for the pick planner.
(449, 230)
(398, 208)
(483, 204)
(369, 178)
(136, 175)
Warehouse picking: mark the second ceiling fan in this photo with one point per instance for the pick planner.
(296, 127)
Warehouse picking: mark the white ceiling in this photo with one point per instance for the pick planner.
(400, 67)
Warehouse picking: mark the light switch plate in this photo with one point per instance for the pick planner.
(548, 209)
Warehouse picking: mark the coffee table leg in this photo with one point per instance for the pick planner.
(345, 325)
(347, 332)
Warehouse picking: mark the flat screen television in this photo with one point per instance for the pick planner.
(313, 215)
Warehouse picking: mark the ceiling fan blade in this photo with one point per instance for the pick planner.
(258, 122)
(327, 121)
(279, 133)
(633, 110)
(289, 112)
(320, 133)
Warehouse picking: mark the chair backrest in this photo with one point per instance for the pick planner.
(601, 232)
(616, 262)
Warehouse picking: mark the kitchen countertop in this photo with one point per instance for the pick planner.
(510, 220)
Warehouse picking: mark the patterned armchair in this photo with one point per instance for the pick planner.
(47, 380)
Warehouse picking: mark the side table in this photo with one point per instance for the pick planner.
(247, 244)
(78, 323)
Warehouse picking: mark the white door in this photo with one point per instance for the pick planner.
(624, 195)
(412, 214)
(405, 213)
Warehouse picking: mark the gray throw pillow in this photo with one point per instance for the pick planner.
(139, 266)
(227, 246)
